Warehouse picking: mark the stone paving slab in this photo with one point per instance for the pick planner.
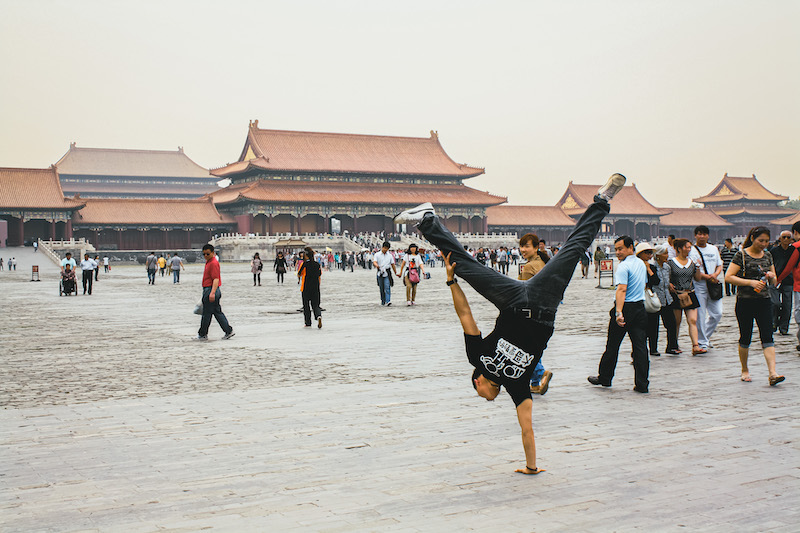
(119, 422)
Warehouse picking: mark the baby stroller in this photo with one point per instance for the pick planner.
(68, 284)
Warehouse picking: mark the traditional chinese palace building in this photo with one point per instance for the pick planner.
(681, 221)
(33, 205)
(297, 182)
(155, 224)
(547, 222)
(113, 173)
(631, 214)
(745, 203)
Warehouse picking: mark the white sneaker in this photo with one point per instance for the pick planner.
(612, 186)
(415, 214)
(408, 303)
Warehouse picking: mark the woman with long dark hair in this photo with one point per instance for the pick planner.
(682, 275)
(280, 266)
(309, 274)
(752, 269)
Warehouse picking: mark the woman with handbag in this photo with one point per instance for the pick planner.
(414, 272)
(661, 289)
(652, 303)
(682, 274)
(255, 268)
(752, 270)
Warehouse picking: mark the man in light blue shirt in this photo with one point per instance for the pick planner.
(627, 316)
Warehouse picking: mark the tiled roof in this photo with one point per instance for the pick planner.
(787, 221)
(690, 217)
(33, 188)
(732, 189)
(742, 210)
(628, 201)
(116, 162)
(304, 151)
(326, 192)
(112, 189)
(528, 215)
(125, 211)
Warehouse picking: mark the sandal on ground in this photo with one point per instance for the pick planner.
(697, 350)
(747, 379)
(774, 380)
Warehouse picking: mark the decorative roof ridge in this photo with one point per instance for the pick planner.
(201, 199)
(179, 152)
(29, 169)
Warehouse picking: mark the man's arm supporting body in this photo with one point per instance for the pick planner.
(525, 409)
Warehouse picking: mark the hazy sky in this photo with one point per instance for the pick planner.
(672, 94)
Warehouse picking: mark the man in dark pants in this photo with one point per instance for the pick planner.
(781, 253)
(309, 274)
(508, 355)
(627, 316)
(727, 253)
(211, 297)
(88, 267)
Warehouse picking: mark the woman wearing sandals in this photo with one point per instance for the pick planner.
(751, 269)
(682, 274)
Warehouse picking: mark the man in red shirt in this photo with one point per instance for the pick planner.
(211, 297)
(792, 269)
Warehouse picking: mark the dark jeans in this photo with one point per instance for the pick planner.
(176, 276)
(151, 276)
(212, 309)
(783, 312)
(88, 275)
(759, 309)
(280, 277)
(542, 292)
(636, 328)
(311, 301)
(668, 319)
(730, 289)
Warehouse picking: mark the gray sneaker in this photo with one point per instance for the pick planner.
(415, 214)
(228, 335)
(201, 338)
(612, 187)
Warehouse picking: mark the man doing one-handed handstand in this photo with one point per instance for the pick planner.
(509, 354)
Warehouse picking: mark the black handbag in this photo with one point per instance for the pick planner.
(714, 288)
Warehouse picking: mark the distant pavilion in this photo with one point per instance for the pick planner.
(631, 214)
(297, 182)
(545, 221)
(681, 221)
(745, 203)
(118, 173)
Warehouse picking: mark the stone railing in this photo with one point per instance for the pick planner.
(56, 250)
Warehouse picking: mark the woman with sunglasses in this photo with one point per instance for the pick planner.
(752, 269)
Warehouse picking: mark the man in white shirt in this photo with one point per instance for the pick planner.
(710, 311)
(87, 266)
(384, 260)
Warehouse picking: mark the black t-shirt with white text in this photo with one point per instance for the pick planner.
(509, 354)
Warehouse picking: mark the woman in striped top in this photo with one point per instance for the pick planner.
(682, 273)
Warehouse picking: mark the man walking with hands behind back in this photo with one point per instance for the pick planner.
(211, 297)
(627, 316)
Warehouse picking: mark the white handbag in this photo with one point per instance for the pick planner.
(651, 302)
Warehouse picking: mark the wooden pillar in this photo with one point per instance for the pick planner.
(244, 224)
(188, 239)
(21, 232)
(53, 230)
(270, 225)
(68, 230)
(355, 224)
(144, 238)
(119, 239)
(327, 221)
(299, 231)
(96, 238)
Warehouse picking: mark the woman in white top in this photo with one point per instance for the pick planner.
(414, 272)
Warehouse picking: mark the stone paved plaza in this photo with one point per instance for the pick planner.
(113, 419)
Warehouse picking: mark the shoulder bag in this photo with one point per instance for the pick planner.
(714, 289)
(651, 302)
